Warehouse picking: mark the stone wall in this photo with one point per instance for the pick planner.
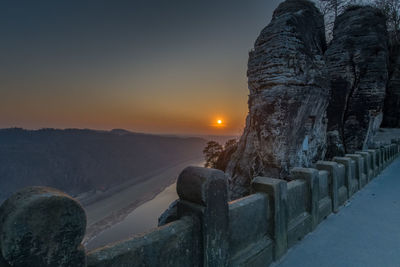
(44, 227)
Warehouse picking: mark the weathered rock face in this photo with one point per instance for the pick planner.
(391, 111)
(356, 62)
(288, 97)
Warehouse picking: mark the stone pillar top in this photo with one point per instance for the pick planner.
(194, 183)
(41, 226)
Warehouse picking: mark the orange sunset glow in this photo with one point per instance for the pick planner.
(121, 76)
(219, 124)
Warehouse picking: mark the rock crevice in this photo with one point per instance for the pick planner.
(356, 62)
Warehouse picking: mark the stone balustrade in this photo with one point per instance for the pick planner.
(44, 227)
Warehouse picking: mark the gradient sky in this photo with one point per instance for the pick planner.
(155, 66)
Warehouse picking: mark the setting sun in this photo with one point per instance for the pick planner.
(219, 123)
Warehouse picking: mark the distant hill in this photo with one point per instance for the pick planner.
(78, 161)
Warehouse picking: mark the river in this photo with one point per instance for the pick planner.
(142, 219)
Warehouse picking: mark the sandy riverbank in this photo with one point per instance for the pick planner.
(113, 209)
(142, 220)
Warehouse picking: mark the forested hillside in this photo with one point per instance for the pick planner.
(77, 161)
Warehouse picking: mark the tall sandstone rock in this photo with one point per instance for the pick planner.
(286, 125)
(391, 111)
(356, 62)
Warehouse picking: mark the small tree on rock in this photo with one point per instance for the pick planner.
(211, 153)
(226, 154)
(331, 9)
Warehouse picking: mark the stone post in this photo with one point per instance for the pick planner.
(311, 176)
(392, 152)
(375, 160)
(41, 226)
(349, 165)
(397, 146)
(380, 159)
(394, 148)
(382, 153)
(359, 170)
(203, 193)
(333, 170)
(387, 152)
(385, 158)
(277, 194)
(367, 164)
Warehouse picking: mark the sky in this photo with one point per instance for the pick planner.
(156, 66)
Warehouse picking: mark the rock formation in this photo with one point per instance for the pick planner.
(356, 62)
(391, 111)
(288, 97)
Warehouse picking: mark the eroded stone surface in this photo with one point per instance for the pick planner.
(203, 193)
(41, 226)
(175, 244)
(356, 62)
(288, 97)
(197, 184)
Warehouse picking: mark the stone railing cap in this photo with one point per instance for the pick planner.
(41, 226)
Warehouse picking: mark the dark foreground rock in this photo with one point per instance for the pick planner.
(288, 97)
(41, 227)
(356, 61)
(391, 111)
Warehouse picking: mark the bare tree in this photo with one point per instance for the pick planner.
(211, 153)
(331, 9)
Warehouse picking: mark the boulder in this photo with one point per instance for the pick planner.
(41, 226)
(356, 61)
(286, 125)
